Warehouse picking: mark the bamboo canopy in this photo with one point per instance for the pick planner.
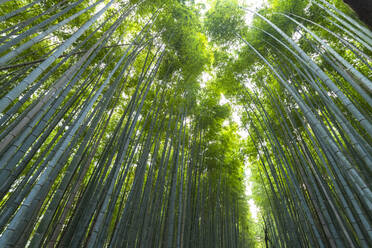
(114, 131)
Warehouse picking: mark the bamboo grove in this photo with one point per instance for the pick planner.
(307, 109)
(112, 137)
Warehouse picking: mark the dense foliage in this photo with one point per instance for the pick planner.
(114, 132)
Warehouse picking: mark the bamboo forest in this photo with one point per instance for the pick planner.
(186, 123)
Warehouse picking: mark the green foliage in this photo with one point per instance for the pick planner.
(180, 28)
(224, 20)
(132, 145)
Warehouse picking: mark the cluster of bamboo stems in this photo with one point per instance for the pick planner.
(81, 165)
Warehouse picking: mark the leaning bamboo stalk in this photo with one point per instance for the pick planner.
(15, 92)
